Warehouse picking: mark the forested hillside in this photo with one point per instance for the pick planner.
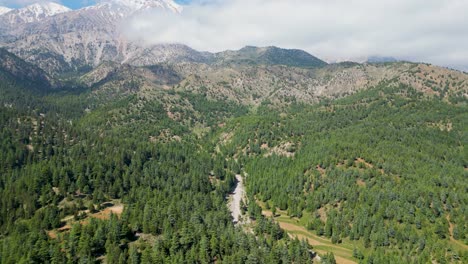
(384, 171)
(61, 168)
(136, 166)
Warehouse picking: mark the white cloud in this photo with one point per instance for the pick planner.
(424, 30)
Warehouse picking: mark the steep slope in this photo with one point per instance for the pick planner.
(14, 69)
(111, 81)
(109, 71)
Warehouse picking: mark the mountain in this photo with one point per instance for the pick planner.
(4, 10)
(252, 85)
(33, 13)
(74, 40)
(62, 40)
(380, 59)
(269, 56)
(118, 9)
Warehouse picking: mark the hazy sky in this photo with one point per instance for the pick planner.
(70, 3)
(74, 4)
(434, 31)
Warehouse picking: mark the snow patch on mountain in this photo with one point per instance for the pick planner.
(35, 12)
(4, 10)
(114, 10)
(146, 4)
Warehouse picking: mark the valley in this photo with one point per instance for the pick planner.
(169, 156)
(116, 151)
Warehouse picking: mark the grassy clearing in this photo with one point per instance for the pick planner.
(296, 228)
(343, 252)
(108, 208)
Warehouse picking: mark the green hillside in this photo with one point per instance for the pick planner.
(383, 171)
(125, 172)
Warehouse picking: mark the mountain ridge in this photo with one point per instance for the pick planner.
(33, 13)
(85, 37)
(4, 10)
(73, 40)
(270, 55)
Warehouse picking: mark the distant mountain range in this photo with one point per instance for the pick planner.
(232, 77)
(269, 56)
(380, 59)
(60, 40)
(50, 42)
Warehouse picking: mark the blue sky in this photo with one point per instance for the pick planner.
(74, 4)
